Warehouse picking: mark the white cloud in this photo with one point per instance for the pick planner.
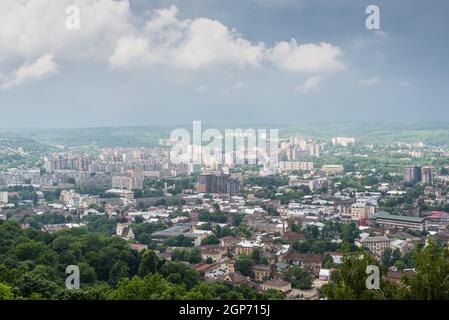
(311, 84)
(290, 56)
(111, 34)
(41, 68)
(32, 28)
(404, 84)
(190, 44)
(203, 42)
(369, 82)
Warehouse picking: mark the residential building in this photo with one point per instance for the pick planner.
(218, 183)
(4, 197)
(376, 245)
(412, 174)
(261, 272)
(332, 168)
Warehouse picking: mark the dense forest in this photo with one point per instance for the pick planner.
(33, 265)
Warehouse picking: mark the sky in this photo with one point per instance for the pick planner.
(159, 62)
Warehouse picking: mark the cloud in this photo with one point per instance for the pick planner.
(404, 84)
(239, 85)
(311, 84)
(40, 69)
(290, 56)
(111, 34)
(190, 44)
(202, 42)
(30, 29)
(369, 82)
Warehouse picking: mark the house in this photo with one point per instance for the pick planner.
(229, 241)
(213, 253)
(277, 284)
(324, 274)
(269, 256)
(376, 245)
(230, 265)
(206, 267)
(261, 272)
(237, 278)
(138, 246)
(337, 257)
(246, 247)
(311, 294)
(311, 262)
(234, 277)
(397, 277)
(293, 236)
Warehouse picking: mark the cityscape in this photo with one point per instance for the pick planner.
(128, 216)
(205, 150)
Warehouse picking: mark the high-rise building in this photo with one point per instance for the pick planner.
(3, 197)
(218, 183)
(343, 141)
(412, 174)
(427, 175)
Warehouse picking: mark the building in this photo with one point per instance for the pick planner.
(387, 220)
(79, 164)
(359, 211)
(343, 141)
(123, 193)
(376, 245)
(246, 247)
(332, 168)
(277, 284)
(218, 183)
(98, 181)
(412, 174)
(124, 231)
(363, 209)
(318, 183)
(427, 175)
(122, 182)
(261, 272)
(183, 229)
(132, 180)
(309, 261)
(4, 197)
(295, 166)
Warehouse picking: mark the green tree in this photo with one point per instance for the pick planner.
(431, 281)
(119, 271)
(148, 263)
(243, 264)
(6, 292)
(299, 278)
(151, 287)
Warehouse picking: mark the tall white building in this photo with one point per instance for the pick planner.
(4, 197)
